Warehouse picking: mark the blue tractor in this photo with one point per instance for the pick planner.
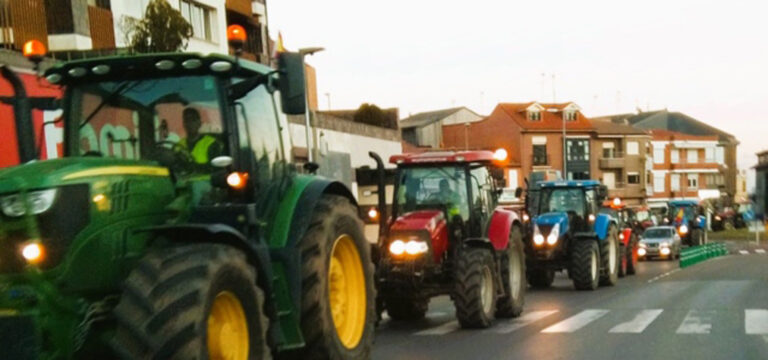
(686, 216)
(567, 232)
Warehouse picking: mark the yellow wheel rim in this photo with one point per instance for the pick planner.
(227, 328)
(346, 291)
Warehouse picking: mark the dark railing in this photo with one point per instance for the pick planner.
(102, 28)
(21, 21)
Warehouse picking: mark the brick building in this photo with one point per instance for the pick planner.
(623, 160)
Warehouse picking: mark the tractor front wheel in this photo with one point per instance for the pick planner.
(611, 256)
(338, 302)
(406, 309)
(512, 277)
(192, 302)
(585, 266)
(475, 293)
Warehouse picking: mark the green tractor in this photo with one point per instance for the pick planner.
(175, 227)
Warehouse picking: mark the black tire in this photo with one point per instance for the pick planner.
(541, 278)
(167, 299)
(632, 256)
(511, 303)
(333, 217)
(610, 274)
(473, 309)
(585, 265)
(406, 309)
(623, 262)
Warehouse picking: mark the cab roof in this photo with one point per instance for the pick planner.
(442, 157)
(570, 183)
(122, 67)
(683, 203)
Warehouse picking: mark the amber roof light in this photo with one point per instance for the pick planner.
(236, 35)
(34, 50)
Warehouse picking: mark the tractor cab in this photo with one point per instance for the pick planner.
(686, 216)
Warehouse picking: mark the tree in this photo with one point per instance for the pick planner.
(370, 114)
(162, 29)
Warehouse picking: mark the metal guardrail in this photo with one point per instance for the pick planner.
(696, 254)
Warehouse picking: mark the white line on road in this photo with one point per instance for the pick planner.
(743, 252)
(696, 322)
(756, 321)
(639, 323)
(576, 322)
(441, 329)
(664, 275)
(760, 251)
(524, 320)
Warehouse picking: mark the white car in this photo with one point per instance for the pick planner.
(660, 241)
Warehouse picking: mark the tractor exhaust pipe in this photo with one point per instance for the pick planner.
(381, 192)
(22, 112)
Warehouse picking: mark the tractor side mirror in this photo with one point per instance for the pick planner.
(518, 192)
(292, 84)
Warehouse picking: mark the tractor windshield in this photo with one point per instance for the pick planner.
(681, 213)
(175, 119)
(433, 188)
(569, 200)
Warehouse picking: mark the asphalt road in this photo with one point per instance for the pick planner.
(717, 309)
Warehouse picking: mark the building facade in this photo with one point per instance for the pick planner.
(424, 130)
(623, 163)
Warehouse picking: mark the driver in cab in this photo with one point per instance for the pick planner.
(450, 198)
(202, 148)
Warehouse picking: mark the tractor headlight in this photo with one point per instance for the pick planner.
(538, 238)
(718, 218)
(683, 229)
(37, 202)
(410, 247)
(397, 247)
(553, 235)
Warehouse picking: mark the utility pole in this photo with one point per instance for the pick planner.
(308, 133)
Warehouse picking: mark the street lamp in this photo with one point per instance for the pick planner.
(304, 52)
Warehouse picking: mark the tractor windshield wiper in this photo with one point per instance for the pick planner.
(124, 86)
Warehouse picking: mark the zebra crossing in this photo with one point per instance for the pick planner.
(695, 322)
(752, 251)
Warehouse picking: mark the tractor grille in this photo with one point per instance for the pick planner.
(545, 229)
(119, 195)
(17, 338)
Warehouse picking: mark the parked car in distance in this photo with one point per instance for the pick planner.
(660, 241)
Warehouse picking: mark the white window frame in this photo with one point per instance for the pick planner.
(534, 115)
(659, 185)
(693, 181)
(633, 173)
(709, 154)
(207, 16)
(633, 148)
(674, 156)
(720, 155)
(674, 182)
(658, 155)
(692, 155)
(539, 140)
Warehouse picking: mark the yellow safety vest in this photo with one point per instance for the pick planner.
(200, 152)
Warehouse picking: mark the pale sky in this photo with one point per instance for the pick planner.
(707, 59)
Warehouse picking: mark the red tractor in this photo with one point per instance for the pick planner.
(448, 236)
(630, 230)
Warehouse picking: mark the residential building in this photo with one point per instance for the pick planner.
(623, 163)
(424, 130)
(724, 152)
(684, 167)
(532, 134)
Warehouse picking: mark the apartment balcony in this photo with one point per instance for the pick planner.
(102, 28)
(622, 190)
(21, 21)
(613, 161)
(243, 7)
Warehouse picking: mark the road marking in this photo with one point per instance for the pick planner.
(576, 322)
(441, 329)
(524, 320)
(639, 323)
(760, 251)
(696, 322)
(664, 275)
(743, 252)
(756, 321)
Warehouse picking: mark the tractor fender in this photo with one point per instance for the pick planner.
(483, 243)
(501, 224)
(602, 223)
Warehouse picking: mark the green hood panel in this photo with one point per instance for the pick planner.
(49, 173)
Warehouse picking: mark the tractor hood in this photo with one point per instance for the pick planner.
(419, 220)
(55, 172)
(550, 219)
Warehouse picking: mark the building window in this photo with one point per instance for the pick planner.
(569, 115)
(674, 156)
(609, 150)
(200, 17)
(578, 150)
(658, 154)
(540, 154)
(633, 148)
(709, 154)
(658, 183)
(674, 181)
(720, 155)
(693, 181)
(534, 115)
(633, 178)
(104, 4)
(693, 156)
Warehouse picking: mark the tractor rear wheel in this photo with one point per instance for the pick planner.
(338, 302)
(541, 278)
(512, 277)
(406, 309)
(192, 302)
(475, 294)
(585, 266)
(611, 259)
